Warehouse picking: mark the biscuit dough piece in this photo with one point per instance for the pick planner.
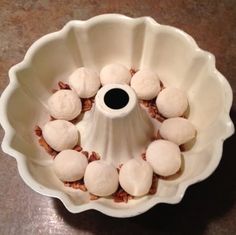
(85, 82)
(60, 134)
(65, 105)
(172, 102)
(177, 130)
(101, 178)
(164, 157)
(69, 165)
(146, 84)
(135, 177)
(115, 74)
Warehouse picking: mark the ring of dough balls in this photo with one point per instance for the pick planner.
(146, 84)
(135, 177)
(101, 178)
(115, 74)
(177, 130)
(69, 165)
(60, 134)
(172, 102)
(64, 104)
(164, 157)
(85, 82)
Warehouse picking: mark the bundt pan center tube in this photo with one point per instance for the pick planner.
(117, 128)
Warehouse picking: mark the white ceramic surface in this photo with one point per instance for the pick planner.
(137, 43)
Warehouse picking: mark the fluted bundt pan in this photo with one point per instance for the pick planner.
(116, 133)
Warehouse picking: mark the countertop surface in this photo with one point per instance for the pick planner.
(208, 207)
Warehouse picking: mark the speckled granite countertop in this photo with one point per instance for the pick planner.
(208, 207)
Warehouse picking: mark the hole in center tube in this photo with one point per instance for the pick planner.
(116, 98)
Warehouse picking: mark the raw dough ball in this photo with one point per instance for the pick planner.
(172, 102)
(115, 73)
(164, 157)
(60, 134)
(178, 130)
(64, 104)
(135, 177)
(85, 82)
(69, 165)
(101, 178)
(146, 84)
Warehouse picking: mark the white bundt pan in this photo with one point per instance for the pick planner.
(137, 43)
